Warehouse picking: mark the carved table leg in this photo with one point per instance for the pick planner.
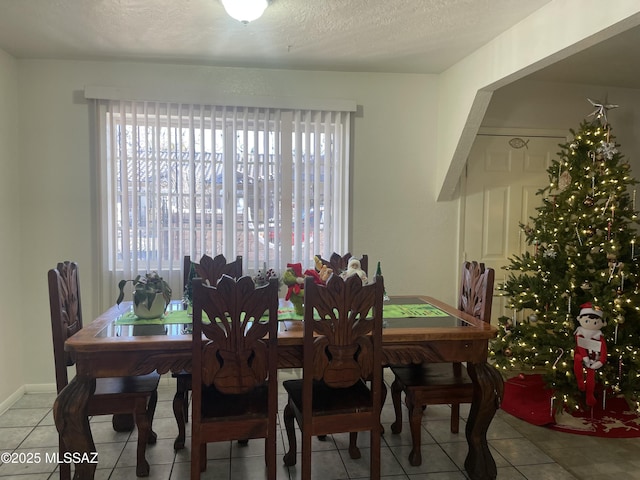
(72, 422)
(487, 395)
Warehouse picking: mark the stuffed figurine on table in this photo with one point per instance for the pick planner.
(354, 268)
(591, 349)
(324, 271)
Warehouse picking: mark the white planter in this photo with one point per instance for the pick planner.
(157, 308)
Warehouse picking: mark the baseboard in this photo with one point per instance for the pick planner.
(40, 388)
(13, 398)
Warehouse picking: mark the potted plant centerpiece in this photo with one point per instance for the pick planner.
(151, 295)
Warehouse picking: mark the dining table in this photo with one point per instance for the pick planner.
(416, 329)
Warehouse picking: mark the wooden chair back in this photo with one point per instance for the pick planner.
(339, 263)
(342, 331)
(476, 290)
(210, 268)
(66, 315)
(234, 366)
(235, 356)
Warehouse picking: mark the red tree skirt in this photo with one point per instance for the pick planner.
(527, 398)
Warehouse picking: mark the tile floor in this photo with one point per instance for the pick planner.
(521, 451)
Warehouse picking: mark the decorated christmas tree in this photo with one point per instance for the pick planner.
(581, 261)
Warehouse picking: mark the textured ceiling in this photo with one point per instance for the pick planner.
(404, 36)
(407, 36)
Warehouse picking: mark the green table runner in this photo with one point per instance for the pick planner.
(422, 310)
(182, 317)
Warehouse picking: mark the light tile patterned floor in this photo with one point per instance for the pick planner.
(521, 451)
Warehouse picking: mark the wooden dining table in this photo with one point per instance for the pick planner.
(111, 346)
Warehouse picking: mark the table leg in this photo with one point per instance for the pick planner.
(71, 419)
(487, 395)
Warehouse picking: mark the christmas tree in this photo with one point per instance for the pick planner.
(581, 248)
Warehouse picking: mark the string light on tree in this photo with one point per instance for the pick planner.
(582, 249)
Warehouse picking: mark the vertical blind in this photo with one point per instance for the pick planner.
(268, 184)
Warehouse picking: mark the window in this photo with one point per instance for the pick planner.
(268, 184)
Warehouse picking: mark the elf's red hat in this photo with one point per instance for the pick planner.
(587, 308)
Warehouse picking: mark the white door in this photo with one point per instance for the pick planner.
(502, 177)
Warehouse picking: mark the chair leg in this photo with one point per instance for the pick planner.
(270, 452)
(65, 468)
(415, 424)
(144, 428)
(203, 457)
(354, 451)
(396, 390)
(185, 406)
(196, 452)
(123, 422)
(305, 472)
(65, 471)
(383, 393)
(151, 411)
(455, 417)
(374, 468)
(288, 418)
(180, 409)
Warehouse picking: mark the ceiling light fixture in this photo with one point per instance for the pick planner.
(245, 11)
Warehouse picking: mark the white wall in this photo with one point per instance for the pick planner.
(395, 217)
(13, 317)
(543, 105)
(555, 31)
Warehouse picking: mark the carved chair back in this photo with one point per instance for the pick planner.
(342, 331)
(66, 315)
(339, 263)
(476, 290)
(211, 268)
(234, 364)
(235, 349)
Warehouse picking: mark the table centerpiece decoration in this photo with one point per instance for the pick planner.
(151, 295)
(294, 277)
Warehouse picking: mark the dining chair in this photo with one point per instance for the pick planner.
(210, 269)
(235, 361)
(442, 383)
(339, 263)
(136, 396)
(342, 349)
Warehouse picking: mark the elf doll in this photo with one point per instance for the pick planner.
(591, 349)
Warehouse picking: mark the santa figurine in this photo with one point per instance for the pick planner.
(591, 349)
(354, 268)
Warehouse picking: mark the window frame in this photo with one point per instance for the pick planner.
(294, 126)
